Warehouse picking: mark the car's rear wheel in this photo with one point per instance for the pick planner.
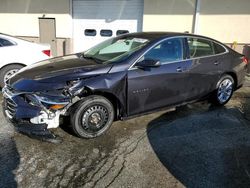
(224, 91)
(92, 116)
(7, 72)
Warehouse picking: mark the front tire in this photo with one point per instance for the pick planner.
(92, 116)
(7, 72)
(224, 91)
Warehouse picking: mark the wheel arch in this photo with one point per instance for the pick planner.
(234, 76)
(14, 63)
(4, 69)
(118, 107)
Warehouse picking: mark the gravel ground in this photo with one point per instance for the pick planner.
(192, 146)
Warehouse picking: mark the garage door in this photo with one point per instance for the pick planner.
(97, 20)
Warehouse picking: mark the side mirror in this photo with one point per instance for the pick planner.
(148, 63)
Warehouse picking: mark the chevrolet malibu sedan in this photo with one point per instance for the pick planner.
(123, 77)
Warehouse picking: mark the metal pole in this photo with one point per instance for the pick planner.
(196, 17)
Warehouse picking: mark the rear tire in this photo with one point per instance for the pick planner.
(224, 91)
(7, 72)
(92, 117)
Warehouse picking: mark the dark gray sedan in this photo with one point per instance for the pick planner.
(123, 77)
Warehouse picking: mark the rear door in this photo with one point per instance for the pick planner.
(156, 87)
(206, 57)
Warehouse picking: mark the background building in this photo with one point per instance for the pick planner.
(75, 25)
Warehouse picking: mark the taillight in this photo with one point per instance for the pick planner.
(46, 52)
(245, 60)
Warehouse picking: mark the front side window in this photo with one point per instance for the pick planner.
(4, 42)
(200, 47)
(170, 50)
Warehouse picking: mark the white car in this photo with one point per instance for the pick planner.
(16, 53)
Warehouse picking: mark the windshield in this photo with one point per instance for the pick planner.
(115, 49)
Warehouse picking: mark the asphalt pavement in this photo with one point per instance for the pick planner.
(196, 145)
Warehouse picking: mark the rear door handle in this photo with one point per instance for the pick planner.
(179, 69)
(216, 63)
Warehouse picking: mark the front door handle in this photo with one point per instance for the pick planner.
(179, 69)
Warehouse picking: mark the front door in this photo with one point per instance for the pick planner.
(156, 87)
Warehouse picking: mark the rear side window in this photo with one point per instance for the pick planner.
(218, 49)
(200, 47)
(167, 51)
(4, 42)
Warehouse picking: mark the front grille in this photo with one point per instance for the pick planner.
(10, 107)
(9, 90)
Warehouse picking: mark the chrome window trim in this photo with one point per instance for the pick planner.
(184, 36)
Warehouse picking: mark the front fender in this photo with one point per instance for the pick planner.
(114, 84)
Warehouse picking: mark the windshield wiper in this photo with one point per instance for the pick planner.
(91, 57)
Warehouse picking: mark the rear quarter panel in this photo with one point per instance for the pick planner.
(233, 64)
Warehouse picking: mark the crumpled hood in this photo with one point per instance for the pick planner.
(53, 73)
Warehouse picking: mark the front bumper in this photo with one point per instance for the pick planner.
(27, 118)
(37, 131)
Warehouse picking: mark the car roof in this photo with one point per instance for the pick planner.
(5, 34)
(160, 35)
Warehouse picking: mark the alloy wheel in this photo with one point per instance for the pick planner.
(9, 74)
(225, 90)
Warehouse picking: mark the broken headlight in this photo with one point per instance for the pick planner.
(49, 102)
(53, 102)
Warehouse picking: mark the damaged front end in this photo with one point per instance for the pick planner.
(38, 95)
(33, 113)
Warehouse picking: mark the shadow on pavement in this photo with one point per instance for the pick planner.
(208, 148)
(9, 161)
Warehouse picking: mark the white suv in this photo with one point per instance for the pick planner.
(16, 53)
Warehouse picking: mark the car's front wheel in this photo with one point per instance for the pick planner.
(92, 116)
(7, 72)
(224, 91)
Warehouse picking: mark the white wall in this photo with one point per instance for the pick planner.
(28, 24)
(168, 15)
(21, 17)
(225, 20)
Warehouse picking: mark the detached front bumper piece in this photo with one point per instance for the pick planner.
(37, 131)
